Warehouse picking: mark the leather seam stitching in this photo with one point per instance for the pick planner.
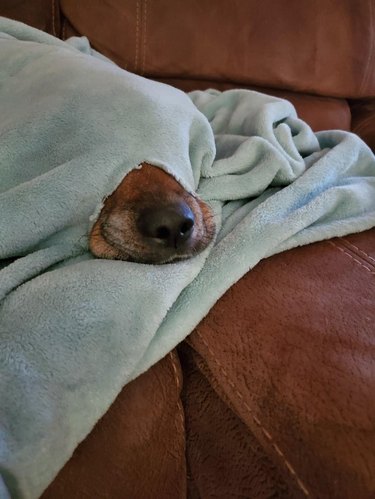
(136, 36)
(366, 75)
(257, 421)
(358, 249)
(173, 355)
(144, 37)
(53, 18)
(372, 271)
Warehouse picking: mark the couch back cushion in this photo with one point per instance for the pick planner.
(324, 47)
(41, 14)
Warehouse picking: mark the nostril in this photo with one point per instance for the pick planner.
(186, 226)
(162, 232)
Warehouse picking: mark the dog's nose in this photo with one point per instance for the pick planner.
(171, 225)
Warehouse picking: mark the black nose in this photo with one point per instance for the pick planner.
(172, 225)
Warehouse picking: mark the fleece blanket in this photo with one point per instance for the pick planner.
(75, 329)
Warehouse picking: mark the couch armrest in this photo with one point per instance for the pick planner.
(363, 120)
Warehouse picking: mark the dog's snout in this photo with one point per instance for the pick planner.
(151, 218)
(171, 225)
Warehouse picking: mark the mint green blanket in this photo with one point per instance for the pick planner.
(74, 329)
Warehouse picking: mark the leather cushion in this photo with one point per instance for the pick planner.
(137, 450)
(291, 346)
(323, 47)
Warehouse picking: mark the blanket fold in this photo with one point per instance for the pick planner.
(74, 329)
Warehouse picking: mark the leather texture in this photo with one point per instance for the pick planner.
(41, 14)
(291, 347)
(224, 458)
(279, 378)
(363, 119)
(323, 47)
(137, 450)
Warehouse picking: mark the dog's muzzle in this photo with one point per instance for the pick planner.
(151, 218)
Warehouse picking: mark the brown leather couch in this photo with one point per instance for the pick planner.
(273, 395)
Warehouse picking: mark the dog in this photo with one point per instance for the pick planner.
(151, 218)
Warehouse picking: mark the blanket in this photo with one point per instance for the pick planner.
(75, 329)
